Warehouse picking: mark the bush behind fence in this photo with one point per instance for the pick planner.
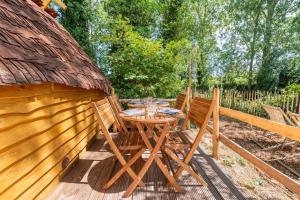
(251, 101)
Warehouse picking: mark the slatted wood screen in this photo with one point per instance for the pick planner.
(41, 126)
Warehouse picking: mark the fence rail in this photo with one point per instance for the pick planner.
(251, 102)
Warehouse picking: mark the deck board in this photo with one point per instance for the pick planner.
(88, 176)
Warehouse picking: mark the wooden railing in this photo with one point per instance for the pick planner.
(281, 129)
(291, 132)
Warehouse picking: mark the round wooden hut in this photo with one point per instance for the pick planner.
(46, 85)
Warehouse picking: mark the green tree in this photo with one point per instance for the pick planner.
(265, 77)
(171, 15)
(280, 41)
(142, 14)
(137, 43)
(141, 66)
(76, 19)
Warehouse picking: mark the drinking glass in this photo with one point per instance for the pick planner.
(151, 109)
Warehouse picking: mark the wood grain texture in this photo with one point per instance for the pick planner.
(86, 179)
(39, 130)
(181, 101)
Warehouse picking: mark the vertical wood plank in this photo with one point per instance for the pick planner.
(216, 123)
(188, 90)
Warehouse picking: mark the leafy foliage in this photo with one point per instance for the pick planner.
(294, 88)
(146, 47)
(141, 14)
(76, 20)
(145, 67)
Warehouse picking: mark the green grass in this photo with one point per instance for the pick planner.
(241, 161)
(251, 184)
(228, 161)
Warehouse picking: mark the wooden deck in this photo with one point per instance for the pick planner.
(84, 181)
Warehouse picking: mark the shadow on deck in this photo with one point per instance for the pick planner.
(86, 178)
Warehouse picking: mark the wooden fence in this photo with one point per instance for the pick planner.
(251, 101)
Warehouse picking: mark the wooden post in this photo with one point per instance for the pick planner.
(188, 91)
(298, 104)
(113, 92)
(232, 99)
(113, 97)
(216, 124)
(58, 2)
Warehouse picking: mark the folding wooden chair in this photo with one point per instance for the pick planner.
(117, 112)
(181, 101)
(180, 104)
(200, 112)
(278, 115)
(296, 119)
(116, 101)
(116, 106)
(128, 141)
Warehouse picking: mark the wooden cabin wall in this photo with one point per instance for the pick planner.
(40, 127)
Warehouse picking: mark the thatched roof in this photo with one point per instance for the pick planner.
(35, 49)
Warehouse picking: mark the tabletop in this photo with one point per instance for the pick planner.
(141, 104)
(163, 115)
(156, 119)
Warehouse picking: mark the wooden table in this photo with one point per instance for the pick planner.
(146, 126)
(142, 104)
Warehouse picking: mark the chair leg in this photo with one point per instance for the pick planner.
(169, 177)
(152, 157)
(189, 156)
(158, 161)
(140, 175)
(125, 168)
(186, 167)
(175, 124)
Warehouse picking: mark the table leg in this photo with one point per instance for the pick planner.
(148, 163)
(153, 156)
(160, 164)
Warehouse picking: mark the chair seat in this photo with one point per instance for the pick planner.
(130, 141)
(129, 125)
(176, 140)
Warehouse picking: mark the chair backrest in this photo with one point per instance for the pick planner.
(117, 112)
(200, 111)
(181, 101)
(116, 101)
(106, 119)
(277, 114)
(295, 117)
(105, 115)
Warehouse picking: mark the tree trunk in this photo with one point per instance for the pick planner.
(252, 48)
(268, 33)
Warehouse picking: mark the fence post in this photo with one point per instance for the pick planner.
(188, 91)
(298, 104)
(216, 123)
(232, 99)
